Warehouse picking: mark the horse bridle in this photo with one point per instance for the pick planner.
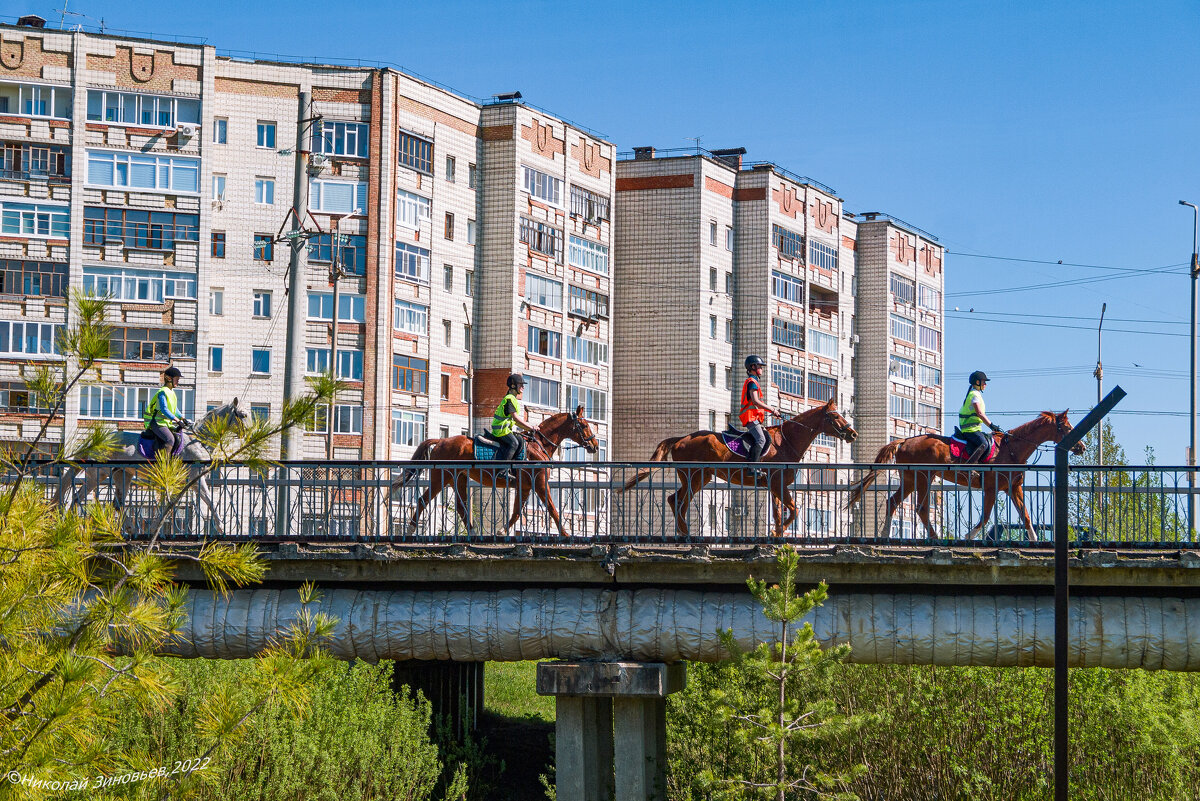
(578, 433)
(829, 415)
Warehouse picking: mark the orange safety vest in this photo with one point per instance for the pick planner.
(749, 413)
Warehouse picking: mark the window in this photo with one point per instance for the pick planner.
(472, 233)
(153, 286)
(347, 419)
(216, 302)
(416, 152)
(220, 130)
(216, 359)
(729, 330)
(260, 412)
(903, 328)
(218, 245)
(408, 428)
(787, 287)
(469, 284)
(264, 191)
(900, 368)
(712, 326)
(450, 169)
(411, 210)
(127, 108)
(218, 187)
(446, 330)
(586, 303)
(262, 304)
(412, 263)
(340, 138)
(904, 408)
(449, 233)
(467, 336)
(929, 416)
(260, 361)
(410, 374)
(541, 392)
(152, 230)
(931, 339)
(36, 220)
(788, 379)
(903, 290)
(35, 278)
(351, 251)
(31, 339)
(929, 376)
(929, 298)
(728, 238)
(410, 318)
(712, 233)
(588, 205)
(444, 431)
(448, 278)
(16, 397)
(789, 243)
(712, 374)
(541, 291)
(316, 360)
(728, 378)
(586, 351)
(712, 420)
(587, 255)
(543, 186)
(712, 278)
(266, 134)
(337, 197)
(593, 401)
(821, 387)
(444, 387)
(728, 283)
(37, 101)
(264, 247)
(472, 176)
(351, 308)
(784, 332)
(126, 403)
(466, 391)
(350, 365)
(818, 521)
(541, 238)
(544, 343)
(151, 344)
(822, 255)
(33, 161)
(822, 343)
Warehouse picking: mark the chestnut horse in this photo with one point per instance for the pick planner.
(1014, 448)
(539, 448)
(786, 442)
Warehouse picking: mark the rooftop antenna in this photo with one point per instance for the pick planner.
(695, 139)
(65, 12)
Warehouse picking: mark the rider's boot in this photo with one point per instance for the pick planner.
(976, 457)
(756, 474)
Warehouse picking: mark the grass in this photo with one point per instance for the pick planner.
(508, 691)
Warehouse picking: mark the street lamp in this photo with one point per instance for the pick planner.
(1194, 269)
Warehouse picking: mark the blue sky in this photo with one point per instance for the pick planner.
(1048, 132)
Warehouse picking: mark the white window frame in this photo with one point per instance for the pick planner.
(901, 369)
(411, 263)
(411, 209)
(261, 304)
(822, 343)
(162, 284)
(264, 191)
(408, 428)
(410, 318)
(549, 292)
(265, 132)
(177, 110)
(172, 174)
(899, 325)
(539, 390)
(320, 202)
(31, 218)
(582, 350)
(587, 255)
(542, 186)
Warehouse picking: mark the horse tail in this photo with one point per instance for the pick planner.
(421, 454)
(661, 454)
(886, 454)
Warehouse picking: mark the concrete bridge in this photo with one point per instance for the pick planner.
(618, 606)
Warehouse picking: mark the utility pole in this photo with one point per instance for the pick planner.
(1099, 373)
(297, 299)
(1191, 456)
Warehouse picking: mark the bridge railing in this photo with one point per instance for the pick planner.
(365, 501)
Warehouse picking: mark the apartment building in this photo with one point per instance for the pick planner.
(720, 258)
(216, 202)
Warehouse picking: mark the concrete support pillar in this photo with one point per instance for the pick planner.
(611, 731)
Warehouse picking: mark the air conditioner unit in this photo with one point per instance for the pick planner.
(186, 130)
(854, 339)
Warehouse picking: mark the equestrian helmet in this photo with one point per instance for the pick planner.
(978, 377)
(754, 361)
(515, 380)
(172, 372)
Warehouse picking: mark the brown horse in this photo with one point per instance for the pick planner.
(538, 448)
(785, 443)
(1014, 448)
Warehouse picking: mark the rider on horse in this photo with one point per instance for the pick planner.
(508, 414)
(163, 410)
(972, 418)
(754, 411)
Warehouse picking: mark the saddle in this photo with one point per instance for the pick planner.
(960, 450)
(148, 445)
(487, 448)
(739, 443)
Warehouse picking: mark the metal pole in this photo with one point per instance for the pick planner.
(293, 357)
(1099, 382)
(1191, 459)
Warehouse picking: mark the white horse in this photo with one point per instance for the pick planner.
(192, 452)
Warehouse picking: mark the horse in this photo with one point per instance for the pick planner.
(126, 453)
(1014, 447)
(786, 442)
(539, 448)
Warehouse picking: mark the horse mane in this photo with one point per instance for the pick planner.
(1027, 428)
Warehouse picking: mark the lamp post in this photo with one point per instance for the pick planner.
(1193, 270)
